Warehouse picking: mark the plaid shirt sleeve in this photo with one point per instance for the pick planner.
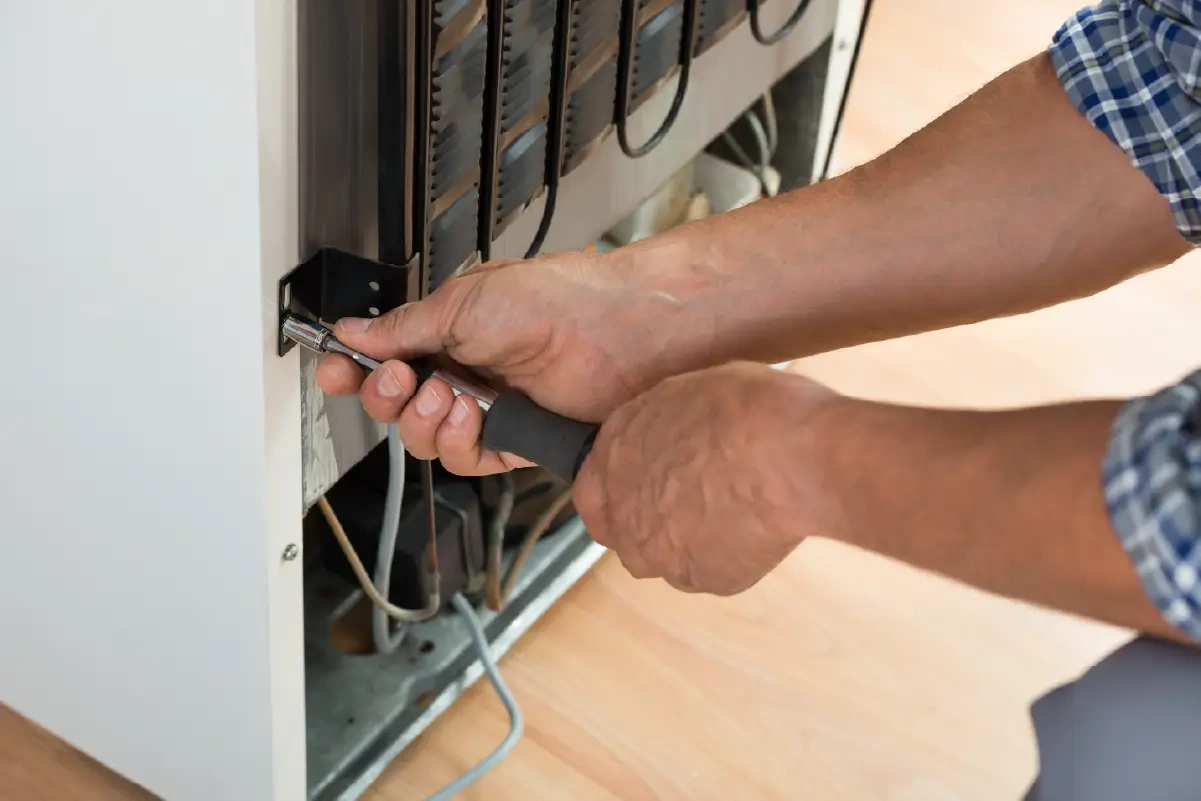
(1133, 69)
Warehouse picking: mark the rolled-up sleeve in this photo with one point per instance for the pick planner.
(1133, 68)
(1152, 476)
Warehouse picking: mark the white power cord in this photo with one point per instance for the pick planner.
(386, 638)
(762, 167)
(773, 127)
(516, 719)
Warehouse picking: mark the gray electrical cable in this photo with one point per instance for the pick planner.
(387, 639)
(762, 141)
(516, 720)
(773, 126)
(739, 153)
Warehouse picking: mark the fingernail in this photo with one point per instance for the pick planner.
(458, 412)
(354, 325)
(428, 401)
(387, 385)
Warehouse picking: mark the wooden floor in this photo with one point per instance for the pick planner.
(842, 676)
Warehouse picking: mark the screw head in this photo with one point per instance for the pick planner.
(291, 552)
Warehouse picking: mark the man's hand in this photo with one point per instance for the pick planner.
(579, 333)
(696, 481)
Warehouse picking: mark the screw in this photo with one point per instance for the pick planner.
(291, 552)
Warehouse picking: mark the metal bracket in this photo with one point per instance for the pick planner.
(334, 284)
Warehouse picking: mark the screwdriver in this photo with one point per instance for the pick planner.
(512, 422)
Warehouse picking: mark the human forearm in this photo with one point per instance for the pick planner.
(1010, 202)
(711, 478)
(1010, 502)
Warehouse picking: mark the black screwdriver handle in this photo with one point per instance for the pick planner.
(517, 425)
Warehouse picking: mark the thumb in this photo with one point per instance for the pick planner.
(414, 329)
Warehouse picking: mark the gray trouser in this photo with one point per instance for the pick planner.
(1129, 729)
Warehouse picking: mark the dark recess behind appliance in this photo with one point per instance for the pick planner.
(795, 97)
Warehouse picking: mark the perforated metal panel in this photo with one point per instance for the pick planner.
(717, 18)
(657, 47)
(592, 86)
(527, 45)
(457, 115)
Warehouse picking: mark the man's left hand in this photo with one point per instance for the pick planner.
(696, 481)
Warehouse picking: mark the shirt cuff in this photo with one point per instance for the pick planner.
(1130, 67)
(1152, 479)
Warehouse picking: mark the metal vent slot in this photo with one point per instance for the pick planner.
(452, 238)
(523, 65)
(522, 172)
(592, 85)
(654, 56)
(527, 83)
(456, 114)
(716, 19)
(590, 115)
(594, 27)
(456, 61)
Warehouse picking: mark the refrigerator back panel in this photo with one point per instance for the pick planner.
(592, 86)
(459, 51)
(716, 19)
(527, 48)
(657, 47)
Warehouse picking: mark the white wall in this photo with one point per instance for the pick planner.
(141, 407)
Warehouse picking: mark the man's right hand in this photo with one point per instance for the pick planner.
(579, 333)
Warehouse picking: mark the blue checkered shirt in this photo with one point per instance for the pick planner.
(1133, 68)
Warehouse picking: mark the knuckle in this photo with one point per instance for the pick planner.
(455, 314)
(393, 320)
